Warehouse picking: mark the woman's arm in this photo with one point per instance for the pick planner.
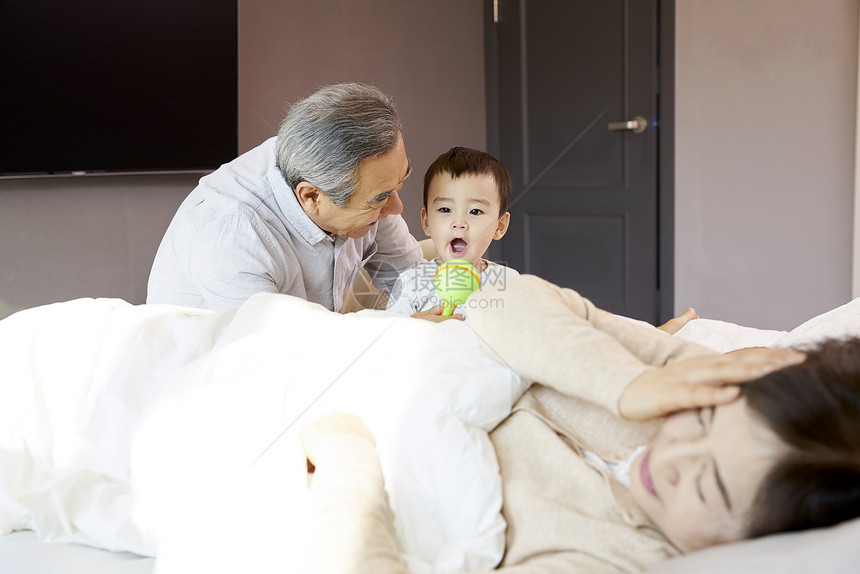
(555, 336)
(700, 381)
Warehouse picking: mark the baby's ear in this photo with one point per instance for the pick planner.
(425, 222)
(502, 226)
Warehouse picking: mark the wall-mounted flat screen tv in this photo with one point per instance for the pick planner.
(106, 86)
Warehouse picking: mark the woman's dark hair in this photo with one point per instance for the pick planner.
(814, 408)
(460, 161)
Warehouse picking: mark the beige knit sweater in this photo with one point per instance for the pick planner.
(563, 513)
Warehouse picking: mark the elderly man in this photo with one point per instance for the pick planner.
(300, 214)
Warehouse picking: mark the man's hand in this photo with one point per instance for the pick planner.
(314, 435)
(700, 381)
(435, 315)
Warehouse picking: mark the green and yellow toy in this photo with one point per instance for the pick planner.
(455, 280)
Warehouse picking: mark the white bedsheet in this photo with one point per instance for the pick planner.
(210, 405)
(24, 553)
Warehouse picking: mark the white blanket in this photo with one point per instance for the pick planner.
(153, 427)
(156, 427)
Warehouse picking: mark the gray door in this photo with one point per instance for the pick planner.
(584, 211)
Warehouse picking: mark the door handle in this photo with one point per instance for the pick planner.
(637, 125)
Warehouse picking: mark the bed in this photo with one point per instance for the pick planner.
(145, 426)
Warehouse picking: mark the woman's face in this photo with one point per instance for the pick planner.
(699, 478)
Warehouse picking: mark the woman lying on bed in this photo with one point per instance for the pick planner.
(590, 487)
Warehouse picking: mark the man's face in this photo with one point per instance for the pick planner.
(462, 216)
(379, 181)
(700, 477)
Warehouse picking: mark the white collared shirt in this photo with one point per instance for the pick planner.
(242, 231)
(415, 290)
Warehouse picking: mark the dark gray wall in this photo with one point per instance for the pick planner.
(763, 188)
(64, 238)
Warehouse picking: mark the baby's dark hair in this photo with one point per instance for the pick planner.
(460, 161)
(814, 408)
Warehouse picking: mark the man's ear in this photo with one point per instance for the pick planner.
(309, 197)
(502, 226)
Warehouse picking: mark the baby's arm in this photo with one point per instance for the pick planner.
(411, 296)
(402, 297)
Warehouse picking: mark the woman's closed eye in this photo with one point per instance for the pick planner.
(706, 420)
(700, 476)
(705, 417)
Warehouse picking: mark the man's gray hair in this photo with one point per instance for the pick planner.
(324, 138)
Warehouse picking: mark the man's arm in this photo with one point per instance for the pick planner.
(233, 258)
(396, 251)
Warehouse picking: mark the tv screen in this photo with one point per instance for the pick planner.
(100, 86)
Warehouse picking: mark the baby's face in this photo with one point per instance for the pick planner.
(462, 216)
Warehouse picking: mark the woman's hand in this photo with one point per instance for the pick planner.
(313, 437)
(700, 381)
(435, 315)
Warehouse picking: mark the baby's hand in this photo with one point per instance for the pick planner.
(435, 315)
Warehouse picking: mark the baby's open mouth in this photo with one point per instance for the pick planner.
(458, 246)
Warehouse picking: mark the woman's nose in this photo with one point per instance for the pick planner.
(678, 458)
(672, 475)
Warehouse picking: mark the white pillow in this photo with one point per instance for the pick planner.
(723, 336)
(827, 550)
(839, 322)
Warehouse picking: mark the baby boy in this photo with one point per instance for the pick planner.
(466, 195)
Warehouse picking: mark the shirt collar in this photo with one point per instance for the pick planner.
(292, 210)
